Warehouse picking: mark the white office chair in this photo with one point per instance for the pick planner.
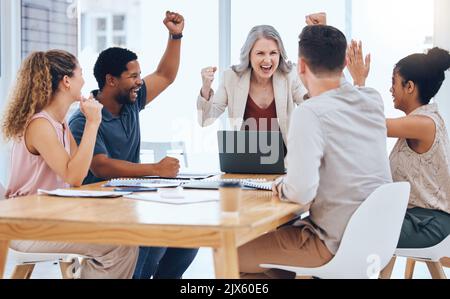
(25, 262)
(161, 149)
(434, 257)
(369, 240)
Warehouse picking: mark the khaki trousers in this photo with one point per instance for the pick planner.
(104, 262)
(290, 246)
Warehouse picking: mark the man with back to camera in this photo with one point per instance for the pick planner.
(336, 158)
(124, 94)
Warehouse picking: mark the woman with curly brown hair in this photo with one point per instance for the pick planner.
(46, 156)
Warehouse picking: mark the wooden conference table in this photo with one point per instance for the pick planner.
(125, 221)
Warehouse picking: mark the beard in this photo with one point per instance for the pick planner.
(124, 99)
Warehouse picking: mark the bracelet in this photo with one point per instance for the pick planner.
(176, 36)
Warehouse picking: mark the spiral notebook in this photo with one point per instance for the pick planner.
(266, 186)
(143, 182)
(207, 184)
(214, 184)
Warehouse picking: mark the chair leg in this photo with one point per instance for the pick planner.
(387, 272)
(410, 265)
(23, 271)
(436, 270)
(4, 245)
(66, 270)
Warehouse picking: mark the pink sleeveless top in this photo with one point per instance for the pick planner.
(30, 172)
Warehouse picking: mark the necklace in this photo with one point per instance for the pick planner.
(53, 117)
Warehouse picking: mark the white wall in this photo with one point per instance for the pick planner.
(442, 39)
(391, 30)
(10, 60)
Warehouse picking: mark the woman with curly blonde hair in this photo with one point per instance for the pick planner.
(46, 156)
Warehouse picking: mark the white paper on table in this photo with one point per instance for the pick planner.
(82, 193)
(184, 200)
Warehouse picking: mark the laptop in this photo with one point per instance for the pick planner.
(251, 152)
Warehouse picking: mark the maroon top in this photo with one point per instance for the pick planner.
(258, 119)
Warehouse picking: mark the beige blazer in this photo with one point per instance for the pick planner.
(233, 94)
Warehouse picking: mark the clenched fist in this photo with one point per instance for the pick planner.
(208, 79)
(174, 22)
(316, 19)
(168, 167)
(92, 110)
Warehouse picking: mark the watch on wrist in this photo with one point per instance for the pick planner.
(176, 36)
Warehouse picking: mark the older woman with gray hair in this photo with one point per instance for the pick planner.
(260, 93)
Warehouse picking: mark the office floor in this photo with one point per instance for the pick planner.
(203, 268)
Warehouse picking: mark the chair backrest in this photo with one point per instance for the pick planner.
(161, 149)
(372, 233)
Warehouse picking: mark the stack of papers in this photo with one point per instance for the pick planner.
(83, 194)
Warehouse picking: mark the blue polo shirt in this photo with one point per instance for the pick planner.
(118, 138)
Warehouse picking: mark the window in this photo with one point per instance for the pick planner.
(287, 16)
(173, 115)
(390, 35)
(103, 30)
(119, 23)
(48, 25)
(100, 33)
(26, 26)
(1, 41)
(442, 39)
